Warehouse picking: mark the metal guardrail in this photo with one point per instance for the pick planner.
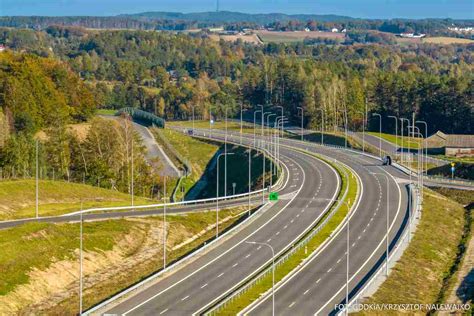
(252, 280)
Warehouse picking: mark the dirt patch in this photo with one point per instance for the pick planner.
(55, 290)
(60, 281)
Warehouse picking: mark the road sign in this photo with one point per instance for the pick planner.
(273, 196)
(452, 169)
(453, 164)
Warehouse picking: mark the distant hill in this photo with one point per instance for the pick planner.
(175, 21)
(235, 17)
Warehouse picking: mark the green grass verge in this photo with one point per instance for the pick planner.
(328, 139)
(456, 159)
(36, 246)
(421, 274)
(199, 154)
(463, 197)
(218, 125)
(255, 291)
(408, 142)
(106, 111)
(17, 198)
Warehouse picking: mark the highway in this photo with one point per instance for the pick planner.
(321, 283)
(191, 288)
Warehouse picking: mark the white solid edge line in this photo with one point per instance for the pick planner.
(376, 249)
(159, 273)
(340, 228)
(212, 261)
(300, 235)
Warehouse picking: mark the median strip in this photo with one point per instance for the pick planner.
(252, 290)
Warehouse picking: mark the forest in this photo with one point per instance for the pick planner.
(61, 75)
(40, 98)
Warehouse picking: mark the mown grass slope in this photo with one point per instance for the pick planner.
(420, 275)
(39, 262)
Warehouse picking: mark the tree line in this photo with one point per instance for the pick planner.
(169, 74)
(41, 100)
(238, 21)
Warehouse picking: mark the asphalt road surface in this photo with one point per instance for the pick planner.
(191, 288)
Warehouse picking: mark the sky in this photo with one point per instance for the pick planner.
(458, 9)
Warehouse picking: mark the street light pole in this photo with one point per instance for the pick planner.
(403, 140)
(363, 130)
(380, 133)
(396, 131)
(263, 156)
(164, 223)
(80, 261)
(425, 147)
(210, 122)
(241, 112)
(250, 174)
(193, 119)
(270, 146)
(345, 128)
(37, 183)
(217, 191)
(322, 126)
(225, 156)
(347, 269)
(279, 120)
(273, 270)
(300, 108)
(254, 118)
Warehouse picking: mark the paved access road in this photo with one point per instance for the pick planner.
(254, 201)
(194, 286)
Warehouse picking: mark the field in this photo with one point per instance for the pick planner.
(17, 198)
(39, 262)
(252, 38)
(447, 40)
(422, 272)
(298, 36)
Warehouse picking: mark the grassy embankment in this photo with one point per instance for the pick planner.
(17, 198)
(218, 125)
(408, 142)
(200, 153)
(463, 170)
(39, 262)
(106, 112)
(424, 273)
(244, 299)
